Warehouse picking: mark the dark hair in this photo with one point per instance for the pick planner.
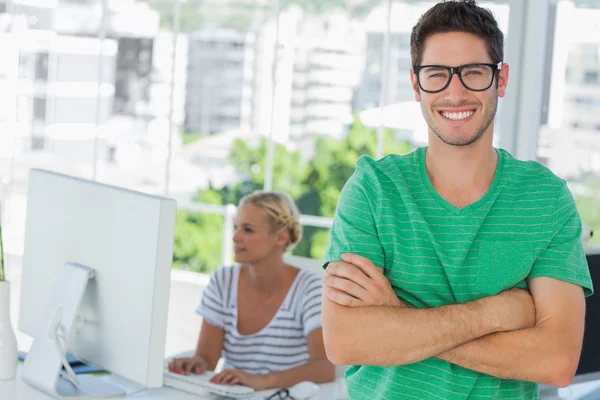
(458, 16)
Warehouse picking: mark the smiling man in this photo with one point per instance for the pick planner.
(455, 271)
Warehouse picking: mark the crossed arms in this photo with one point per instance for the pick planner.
(532, 336)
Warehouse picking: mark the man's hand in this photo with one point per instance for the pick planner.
(358, 283)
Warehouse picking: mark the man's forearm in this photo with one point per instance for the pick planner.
(397, 335)
(536, 355)
(547, 353)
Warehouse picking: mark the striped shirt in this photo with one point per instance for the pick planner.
(435, 254)
(281, 344)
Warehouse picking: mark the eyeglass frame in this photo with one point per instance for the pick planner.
(456, 71)
(282, 394)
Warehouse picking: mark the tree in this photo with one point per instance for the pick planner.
(289, 169)
(332, 166)
(314, 184)
(588, 208)
(199, 237)
(196, 14)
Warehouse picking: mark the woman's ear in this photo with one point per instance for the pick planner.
(283, 238)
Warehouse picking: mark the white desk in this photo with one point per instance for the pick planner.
(19, 390)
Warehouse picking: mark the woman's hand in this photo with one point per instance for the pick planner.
(241, 377)
(187, 365)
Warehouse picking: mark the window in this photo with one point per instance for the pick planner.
(569, 144)
(41, 67)
(189, 113)
(39, 109)
(589, 52)
(590, 77)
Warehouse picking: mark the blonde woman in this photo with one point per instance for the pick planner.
(262, 315)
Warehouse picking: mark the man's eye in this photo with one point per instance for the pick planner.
(438, 75)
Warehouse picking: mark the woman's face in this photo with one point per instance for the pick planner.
(253, 238)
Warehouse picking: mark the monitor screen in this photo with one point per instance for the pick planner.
(589, 363)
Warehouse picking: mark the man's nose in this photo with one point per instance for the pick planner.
(455, 92)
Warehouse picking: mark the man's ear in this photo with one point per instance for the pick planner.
(503, 80)
(415, 85)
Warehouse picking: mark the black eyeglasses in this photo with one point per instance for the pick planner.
(281, 394)
(475, 77)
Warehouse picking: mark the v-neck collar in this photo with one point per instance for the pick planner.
(467, 210)
(283, 305)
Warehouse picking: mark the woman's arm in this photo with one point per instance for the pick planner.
(210, 344)
(208, 352)
(318, 369)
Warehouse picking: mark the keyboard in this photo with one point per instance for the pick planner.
(200, 384)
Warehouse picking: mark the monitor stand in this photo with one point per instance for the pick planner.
(43, 365)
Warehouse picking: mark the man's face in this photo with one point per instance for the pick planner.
(457, 115)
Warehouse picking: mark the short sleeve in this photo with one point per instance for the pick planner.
(311, 304)
(564, 258)
(354, 228)
(211, 305)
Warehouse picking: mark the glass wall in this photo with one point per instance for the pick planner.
(206, 101)
(569, 143)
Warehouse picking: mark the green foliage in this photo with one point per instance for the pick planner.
(196, 14)
(314, 184)
(589, 210)
(199, 237)
(189, 138)
(289, 169)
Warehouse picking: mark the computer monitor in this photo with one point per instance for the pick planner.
(589, 363)
(126, 238)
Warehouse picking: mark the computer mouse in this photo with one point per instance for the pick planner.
(304, 390)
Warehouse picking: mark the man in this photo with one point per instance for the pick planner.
(468, 277)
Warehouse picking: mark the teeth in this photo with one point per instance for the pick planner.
(458, 116)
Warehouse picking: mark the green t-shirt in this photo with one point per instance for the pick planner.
(435, 254)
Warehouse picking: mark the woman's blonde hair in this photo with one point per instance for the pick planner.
(282, 213)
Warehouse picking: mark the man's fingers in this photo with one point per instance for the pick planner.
(345, 285)
(363, 263)
(349, 272)
(341, 298)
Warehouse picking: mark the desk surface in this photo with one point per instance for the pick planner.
(19, 390)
